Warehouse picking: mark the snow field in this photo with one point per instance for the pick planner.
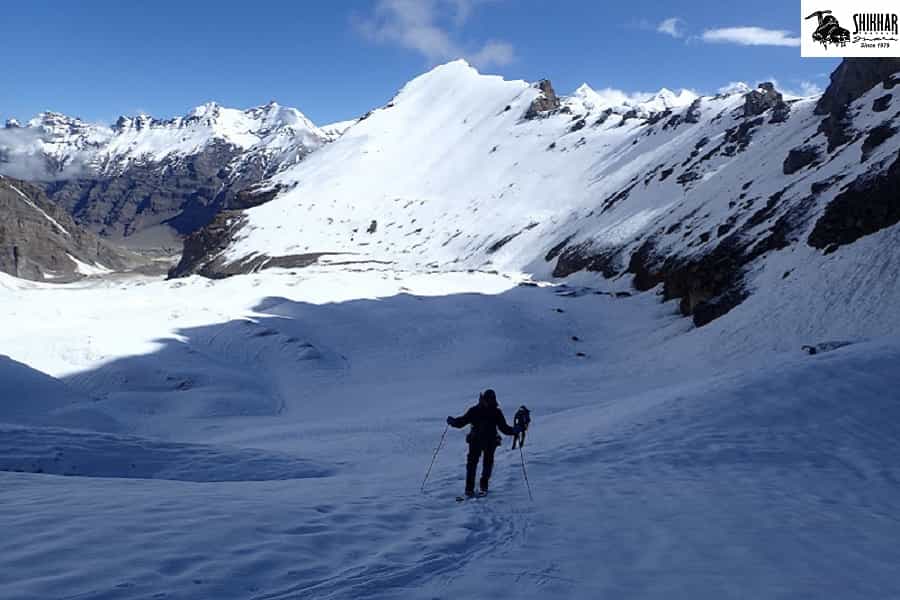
(265, 436)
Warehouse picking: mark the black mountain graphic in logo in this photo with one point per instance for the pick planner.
(829, 30)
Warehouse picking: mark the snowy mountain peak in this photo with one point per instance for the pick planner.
(65, 141)
(12, 124)
(138, 122)
(585, 98)
(207, 110)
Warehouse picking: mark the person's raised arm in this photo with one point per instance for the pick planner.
(502, 425)
(460, 422)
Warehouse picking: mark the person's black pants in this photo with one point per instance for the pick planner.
(475, 453)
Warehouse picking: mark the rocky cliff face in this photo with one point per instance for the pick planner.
(853, 78)
(41, 242)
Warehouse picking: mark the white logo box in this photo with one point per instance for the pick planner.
(857, 28)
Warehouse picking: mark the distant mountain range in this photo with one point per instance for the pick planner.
(146, 182)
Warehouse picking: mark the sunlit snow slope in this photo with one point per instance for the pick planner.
(460, 171)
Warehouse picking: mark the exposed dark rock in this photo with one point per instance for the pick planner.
(182, 195)
(692, 115)
(853, 78)
(205, 246)
(38, 238)
(738, 138)
(579, 124)
(249, 198)
(780, 112)
(758, 101)
(555, 250)
(766, 212)
(373, 227)
(657, 117)
(503, 241)
(203, 252)
(877, 136)
(818, 187)
(547, 101)
(687, 177)
(603, 117)
(869, 204)
(583, 257)
(673, 122)
(882, 104)
(824, 347)
(837, 128)
(708, 286)
(631, 114)
(799, 158)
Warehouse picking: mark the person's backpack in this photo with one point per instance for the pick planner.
(523, 415)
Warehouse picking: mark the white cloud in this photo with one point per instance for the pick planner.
(808, 88)
(672, 26)
(614, 97)
(735, 87)
(750, 36)
(431, 27)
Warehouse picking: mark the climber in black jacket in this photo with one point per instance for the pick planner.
(485, 418)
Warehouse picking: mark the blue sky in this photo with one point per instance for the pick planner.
(335, 60)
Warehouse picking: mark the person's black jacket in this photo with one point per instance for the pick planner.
(485, 421)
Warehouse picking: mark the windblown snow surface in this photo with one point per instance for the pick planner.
(266, 436)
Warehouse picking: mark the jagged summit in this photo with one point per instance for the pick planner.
(593, 100)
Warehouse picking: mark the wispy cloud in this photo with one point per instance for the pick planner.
(806, 88)
(750, 36)
(735, 87)
(672, 26)
(431, 28)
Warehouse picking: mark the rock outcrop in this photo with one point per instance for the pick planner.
(41, 242)
(763, 98)
(853, 78)
(548, 100)
(869, 204)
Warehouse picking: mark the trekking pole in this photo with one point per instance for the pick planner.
(525, 473)
(436, 450)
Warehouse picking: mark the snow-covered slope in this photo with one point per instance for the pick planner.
(463, 170)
